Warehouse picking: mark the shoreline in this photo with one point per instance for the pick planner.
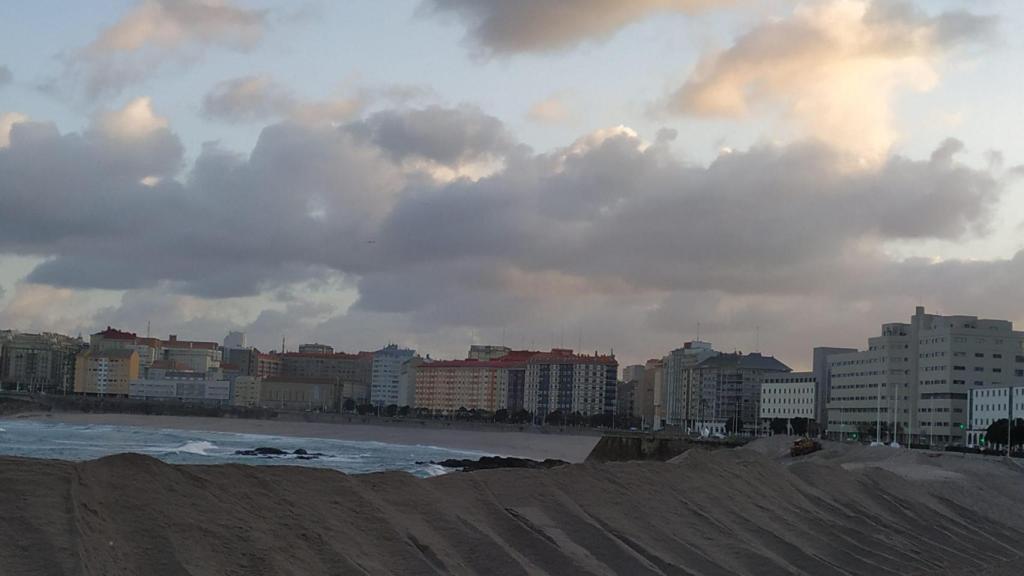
(525, 444)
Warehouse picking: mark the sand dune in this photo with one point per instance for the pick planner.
(747, 511)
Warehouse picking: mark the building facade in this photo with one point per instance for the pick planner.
(38, 362)
(106, 372)
(729, 391)
(679, 391)
(181, 385)
(484, 352)
(989, 405)
(789, 395)
(445, 387)
(570, 383)
(352, 372)
(300, 394)
(915, 380)
(385, 375)
(245, 392)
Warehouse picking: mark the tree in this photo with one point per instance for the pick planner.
(778, 426)
(554, 417)
(363, 409)
(403, 411)
(501, 415)
(522, 416)
(996, 433)
(349, 405)
(391, 410)
(799, 426)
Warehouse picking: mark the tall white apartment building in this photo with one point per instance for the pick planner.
(917, 378)
(385, 375)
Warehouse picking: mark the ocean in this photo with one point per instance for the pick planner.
(35, 439)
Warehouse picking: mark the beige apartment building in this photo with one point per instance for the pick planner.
(246, 392)
(446, 386)
(916, 378)
(106, 372)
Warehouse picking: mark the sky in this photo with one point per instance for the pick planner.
(609, 176)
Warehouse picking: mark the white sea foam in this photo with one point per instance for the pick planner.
(201, 447)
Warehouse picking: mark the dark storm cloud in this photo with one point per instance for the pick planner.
(500, 26)
(449, 136)
(593, 237)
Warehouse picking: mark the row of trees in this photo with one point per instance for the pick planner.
(996, 434)
(555, 418)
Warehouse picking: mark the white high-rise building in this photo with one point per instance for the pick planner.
(917, 378)
(385, 375)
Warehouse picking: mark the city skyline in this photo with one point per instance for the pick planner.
(350, 174)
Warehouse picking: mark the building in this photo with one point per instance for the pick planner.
(561, 380)
(245, 392)
(198, 356)
(678, 393)
(181, 385)
(788, 395)
(625, 399)
(728, 394)
(445, 387)
(106, 372)
(990, 405)
(269, 365)
(481, 352)
(300, 394)
(148, 349)
(647, 403)
(385, 375)
(38, 362)
(633, 372)
(407, 381)
(195, 356)
(916, 378)
(351, 371)
(822, 370)
(235, 341)
(315, 349)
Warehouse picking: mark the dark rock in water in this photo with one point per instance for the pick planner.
(306, 457)
(494, 462)
(300, 452)
(261, 451)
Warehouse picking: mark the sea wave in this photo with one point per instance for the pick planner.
(201, 447)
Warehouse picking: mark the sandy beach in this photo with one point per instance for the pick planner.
(535, 445)
(749, 511)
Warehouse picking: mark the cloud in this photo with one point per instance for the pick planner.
(551, 110)
(5, 76)
(831, 69)
(254, 98)
(154, 32)
(502, 27)
(609, 235)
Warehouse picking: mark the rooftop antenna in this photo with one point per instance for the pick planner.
(698, 331)
(282, 344)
